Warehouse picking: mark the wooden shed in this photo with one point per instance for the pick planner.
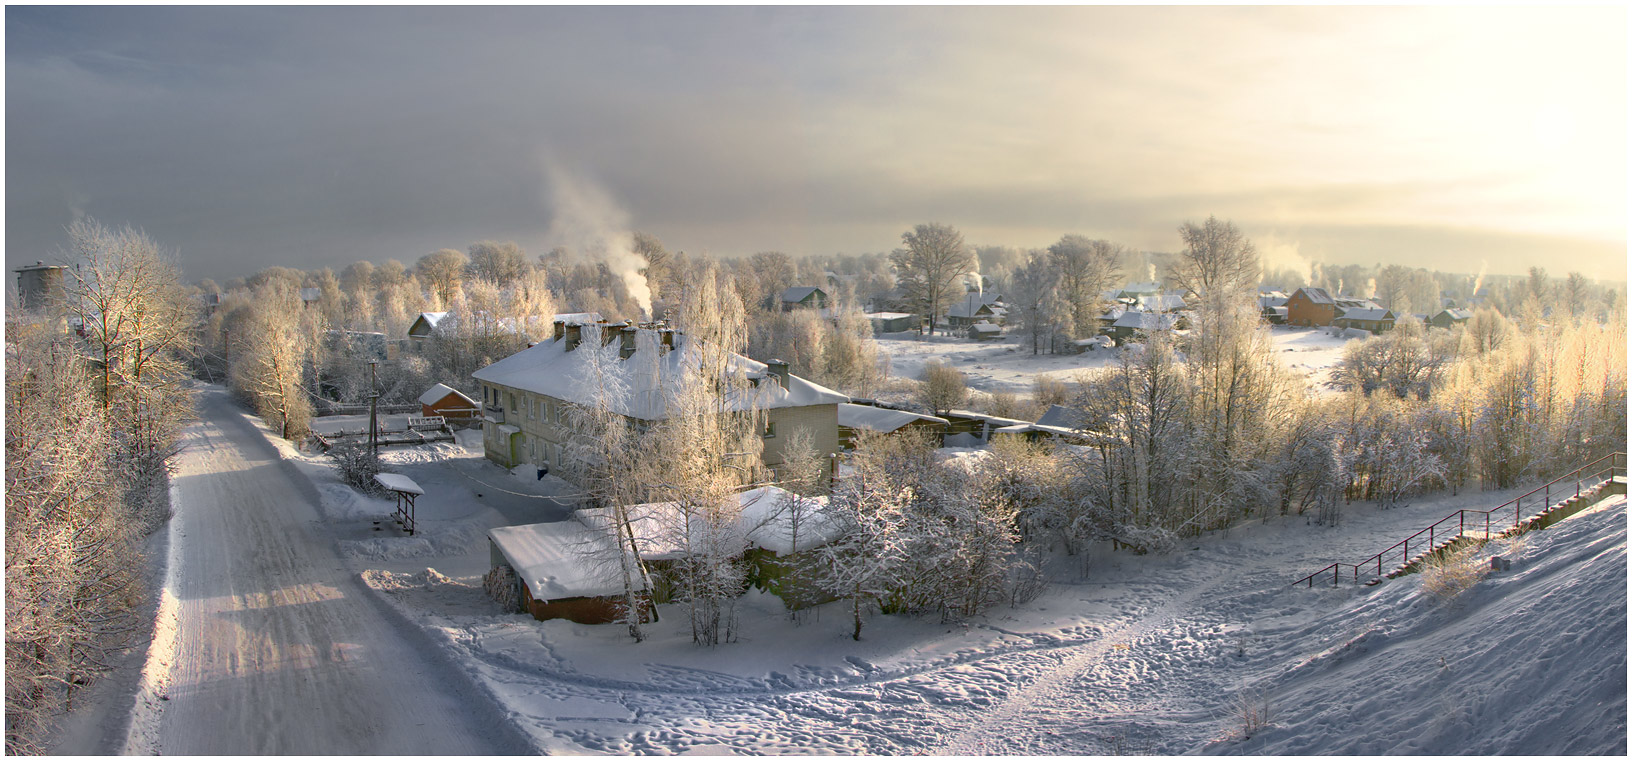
(447, 402)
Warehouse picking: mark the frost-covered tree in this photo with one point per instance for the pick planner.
(1084, 268)
(72, 588)
(931, 268)
(497, 263)
(268, 359)
(443, 273)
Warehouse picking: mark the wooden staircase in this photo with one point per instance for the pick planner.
(1537, 509)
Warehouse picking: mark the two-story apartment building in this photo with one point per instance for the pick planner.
(526, 397)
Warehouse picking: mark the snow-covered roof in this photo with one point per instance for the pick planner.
(1093, 341)
(1146, 321)
(968, 307)
(798, 293)
(551, 559)
(991, 298)
(1161, 302)
(1367, 314)
(1315, 295)
(1137, 288)
(398, 482)
(644, 381)
(985, 327)
(310, 294)
(889, 315)
(441, 391)
(1456, 314)
(879, 419)
(764, 520)
(1061, 416)
(431, 320)
(981, 416)
(578, 318)
(1271, 299)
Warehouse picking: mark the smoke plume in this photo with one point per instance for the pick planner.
(585, 217)
(1480, 280)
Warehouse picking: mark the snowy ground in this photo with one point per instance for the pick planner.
(1141, 654)
(1008, 364)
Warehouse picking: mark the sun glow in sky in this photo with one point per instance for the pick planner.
(1436, 137)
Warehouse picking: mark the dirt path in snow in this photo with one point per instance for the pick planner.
(279, 648)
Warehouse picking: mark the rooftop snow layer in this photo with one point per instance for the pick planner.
(879, 419)
(441, 391)
(639, 386)
(398, 482)
(551, 559)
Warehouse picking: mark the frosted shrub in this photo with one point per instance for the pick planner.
(1446, 576)
(1253, 709)
(357, 465)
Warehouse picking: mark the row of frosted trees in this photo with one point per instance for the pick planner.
(95, 396)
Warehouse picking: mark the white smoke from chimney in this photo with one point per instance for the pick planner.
(585, 217)
(974, 270)
(1371, 288)
(1150, 272)
(1480, 280)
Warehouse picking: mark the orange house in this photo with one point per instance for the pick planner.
(1311, 307)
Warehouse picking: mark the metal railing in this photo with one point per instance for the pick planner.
(1484, 524)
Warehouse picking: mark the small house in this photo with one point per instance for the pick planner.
(970, 310)
(802, 297)
(1371, 320)
(447, 402)
(1447, 318)
(893, 322)
(985, 331)
(424, 325)
(1132, 324)
(1311, 307)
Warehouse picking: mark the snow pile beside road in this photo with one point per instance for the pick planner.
(1528, 661)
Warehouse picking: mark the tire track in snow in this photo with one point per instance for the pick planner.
(1005, 725)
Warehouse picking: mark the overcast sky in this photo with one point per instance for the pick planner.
(310, 137)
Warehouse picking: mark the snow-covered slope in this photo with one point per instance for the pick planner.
(1528, 661)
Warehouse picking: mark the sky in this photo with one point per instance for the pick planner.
(1452, 138)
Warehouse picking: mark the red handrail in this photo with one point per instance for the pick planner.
(1617, 462)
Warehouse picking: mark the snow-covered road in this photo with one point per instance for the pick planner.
(278, 647)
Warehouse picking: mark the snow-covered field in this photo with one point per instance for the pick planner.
(1137, 654)
(1008, 364)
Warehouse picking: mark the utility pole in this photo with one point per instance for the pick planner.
(226, 350)
(373, 413)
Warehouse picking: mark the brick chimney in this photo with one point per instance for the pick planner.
(665, 340)
(572, 335)
(778, 369)
(626, 349)
(560, 328)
